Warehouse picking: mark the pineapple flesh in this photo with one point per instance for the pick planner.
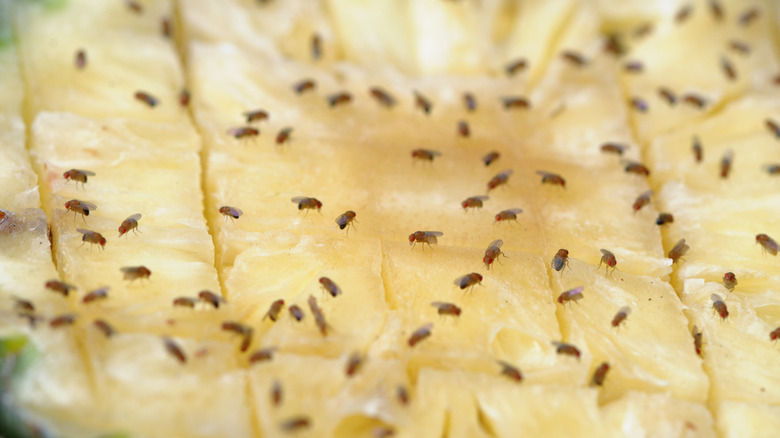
(433, 340)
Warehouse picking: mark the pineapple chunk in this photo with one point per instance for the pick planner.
(745, 419)
(738, 354)
(639, 349)
(156, 177)
(658, 415)
(52, 33)
(708, 47)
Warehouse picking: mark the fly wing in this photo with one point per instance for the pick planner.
(496, 243)
(136, 217)
(298, 199)
(88, 206)
(515, 210)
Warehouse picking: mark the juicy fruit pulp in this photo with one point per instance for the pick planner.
(208, 344)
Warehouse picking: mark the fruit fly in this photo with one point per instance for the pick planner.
(492, 252)
(284, 135)
(422, 102)
(330, 286)
(81, 59)
(80, 176)
(382, 431)
(463, 129)
(664, 218)
(420, 334)
(613, 148)
(346, 219)
(210, 297)
(146, 98)
(608, 259)
(470, 102)
(600, 374)
(131, 223)
(772, 169)
(551, 178)
(425, 154)
(339, 98)
(446, 308)
(683, 14)
(767, 243)
(515, 102)
(230, 212)
(354, 363)
(679, 250)
(273, 310)
(716, 10)
(667, 95)
(134, 6)
(97, 294)
(184, 98)
(613, 45)
(255, 116)
(23, 306)
(316, 47)
(184, 302)
(277, 393)
(571, 295)
(774, 334)
(560, 260)
(730, 281)
(382, 97)
(174, 350)
(637, 168)
(80, 207)
(473, 202)
(515, 67)
(773, 127)
(499, 179)
(694, 100)
(719, 306)
(728, 69)
(62, 320)
(133, 273)
(697, 338)
(296, 312)
(510, 371)
(304, 86)
(698, 152)
(639, 104)
(104, 327)
(490, 157)
(306, 203)
(243, 132)
(425, 237)
(621, 316)
(642, 200)
(749, 16)
(468, 280)
(296, 423)
(319, 317)
(165, 27)
(725, 164)
(508, 215)
(262, 355)
(92, 237)
(567, 349)
(60, 287)
(240, 329)
(402, 394)
(740, 47)
(574, 58)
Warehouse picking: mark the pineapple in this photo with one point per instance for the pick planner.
(261, 317)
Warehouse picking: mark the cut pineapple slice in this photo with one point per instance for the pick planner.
(111, 78)
(380, 341)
